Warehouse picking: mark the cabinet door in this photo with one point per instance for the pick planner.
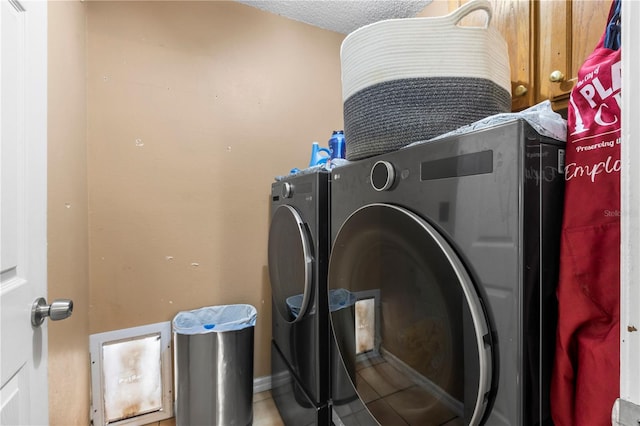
(513, 19)
(568, 31)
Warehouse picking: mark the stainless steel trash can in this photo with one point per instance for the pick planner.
(213, 360)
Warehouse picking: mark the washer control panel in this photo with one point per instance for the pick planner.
(287, 190)
(383, 175)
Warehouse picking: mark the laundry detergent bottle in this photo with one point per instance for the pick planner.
(317, 155)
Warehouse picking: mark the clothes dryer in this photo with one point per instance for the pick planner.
(449, 249)
(298, 258)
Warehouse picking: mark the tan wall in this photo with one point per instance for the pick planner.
(68, 258)
(435, 8)
(193, 108)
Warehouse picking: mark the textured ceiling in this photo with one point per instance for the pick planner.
(342, 16)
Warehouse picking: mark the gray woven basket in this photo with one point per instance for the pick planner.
(390, 115)
(405, 80)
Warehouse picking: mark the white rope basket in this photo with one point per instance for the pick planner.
(400, 75)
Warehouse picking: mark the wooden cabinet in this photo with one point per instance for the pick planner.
(548, 41)
(515, 20)
(567, 32)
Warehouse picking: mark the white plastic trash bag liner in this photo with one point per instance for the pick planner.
(294, 303)
(215, 319)
(338, 299)
(406, 80)
(541, 117)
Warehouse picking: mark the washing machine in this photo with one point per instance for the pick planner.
(298, 258)
(449, 252)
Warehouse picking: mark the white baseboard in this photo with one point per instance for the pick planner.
(261, 384)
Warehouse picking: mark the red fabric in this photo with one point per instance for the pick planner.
(586, 375)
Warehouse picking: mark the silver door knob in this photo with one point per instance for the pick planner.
(58, 310)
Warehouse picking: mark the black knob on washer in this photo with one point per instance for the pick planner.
(382, 175)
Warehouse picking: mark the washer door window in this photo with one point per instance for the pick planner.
(290, 263)
(411, 331)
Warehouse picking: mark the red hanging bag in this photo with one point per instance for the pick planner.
(585, 382)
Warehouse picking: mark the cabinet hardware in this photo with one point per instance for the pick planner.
(520, 90)
(556, 76)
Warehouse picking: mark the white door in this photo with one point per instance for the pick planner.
(23, 253)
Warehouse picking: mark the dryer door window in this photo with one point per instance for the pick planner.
(290, 263)
(431, 358)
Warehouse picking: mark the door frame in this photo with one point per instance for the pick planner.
(630, 209)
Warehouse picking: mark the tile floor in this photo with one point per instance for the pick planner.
(391, 407)
(265, 412)
(389, 393)
(396, 399)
